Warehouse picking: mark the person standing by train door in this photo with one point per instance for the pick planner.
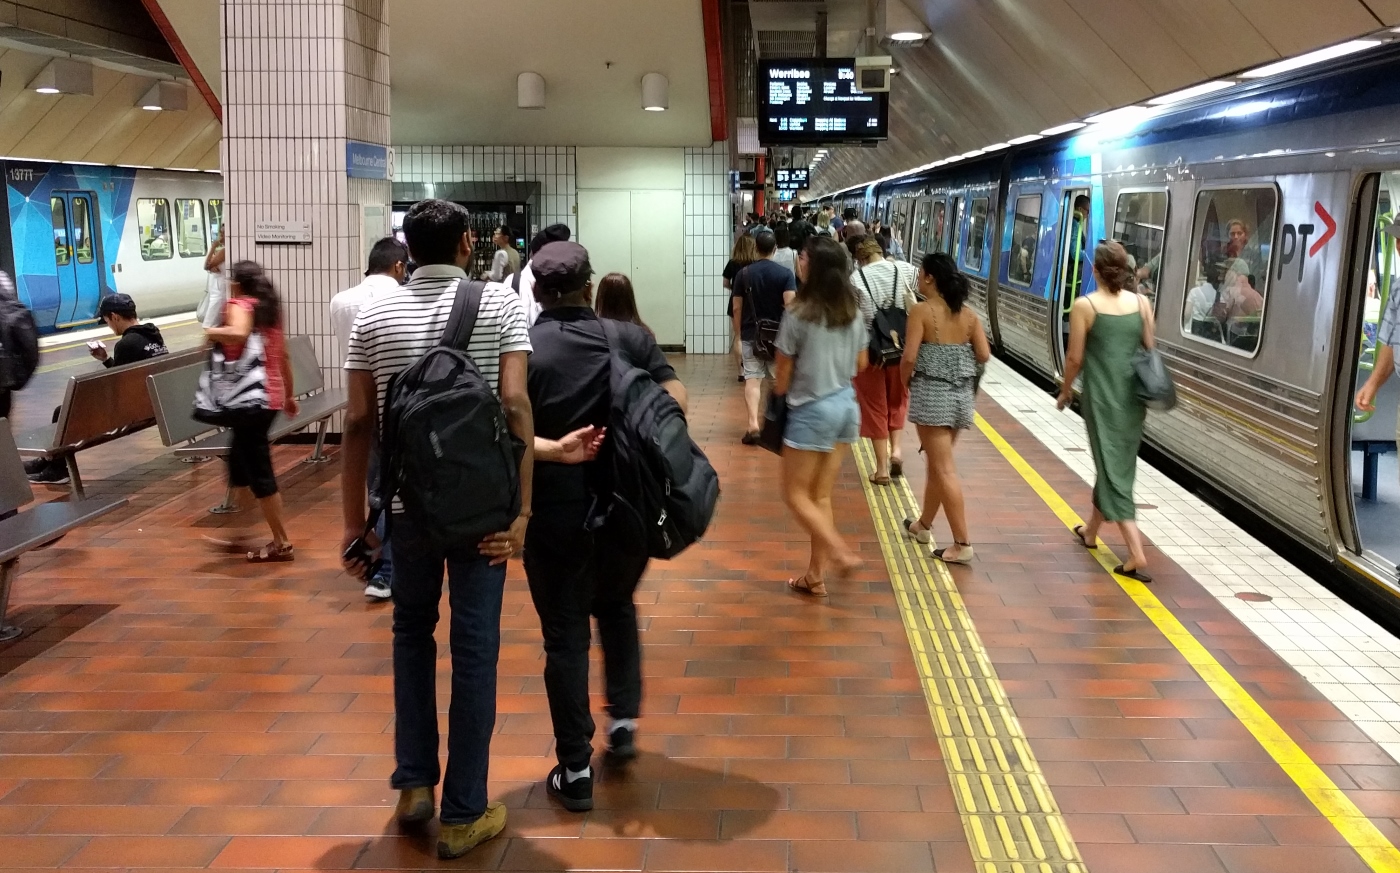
(1387, 335)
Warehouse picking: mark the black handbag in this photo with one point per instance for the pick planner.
(770, 436)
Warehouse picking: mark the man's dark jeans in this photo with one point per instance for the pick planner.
(574, 574)
(474, 590)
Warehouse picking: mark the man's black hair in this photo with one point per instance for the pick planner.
(850, 213)
(553, 233)
(434, 231)
(1082, 200)
(385, 254)
(766, 242)
(797, 212)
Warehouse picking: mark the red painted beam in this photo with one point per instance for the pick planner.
(158, 16)
(714, 62)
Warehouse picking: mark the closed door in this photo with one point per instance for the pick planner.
(77, 253)
(641, 234)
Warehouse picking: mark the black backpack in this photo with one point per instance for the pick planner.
(19, 339)
(888, 329)
(664, 489)
(445, 450)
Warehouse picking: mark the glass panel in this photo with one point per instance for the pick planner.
(1025, 239)
(953, 241)
(1140, 224)
(977, 234)
(216, 218)
(940, 216)
(189, 229)
(920, 228)
(59, 211)
(899, 223)
(82, 230)
(1234, 231)
(153, 229)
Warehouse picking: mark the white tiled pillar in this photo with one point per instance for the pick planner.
(709, 235)
(301, 78)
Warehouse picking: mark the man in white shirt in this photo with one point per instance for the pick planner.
(525, 283)
(388, 264)
(392, 331)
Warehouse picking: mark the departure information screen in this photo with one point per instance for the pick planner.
(790, 180)
(811, 101)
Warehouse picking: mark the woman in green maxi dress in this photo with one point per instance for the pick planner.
(1106, 329)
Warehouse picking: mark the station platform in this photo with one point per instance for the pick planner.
(1030, 713)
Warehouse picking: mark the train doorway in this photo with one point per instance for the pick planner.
(77, 256)
(1073, 268)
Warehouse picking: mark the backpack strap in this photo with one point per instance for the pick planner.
(462, 321)
(515, 279)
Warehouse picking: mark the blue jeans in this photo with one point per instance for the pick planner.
(386, 557)
(474, 590)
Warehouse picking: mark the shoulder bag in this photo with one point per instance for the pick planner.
(231, 388)
(765, 333)
(888, 329)
(1154, 384)
(775, 418)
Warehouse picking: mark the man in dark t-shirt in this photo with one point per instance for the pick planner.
(575, 566)
(762, 290)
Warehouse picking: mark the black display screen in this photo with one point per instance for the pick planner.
(790, 180)
(810, 101)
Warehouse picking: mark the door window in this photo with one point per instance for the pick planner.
(59, 212)
(940, 221)
(1140, 224)
(153, 228)
(189, 229)
(1025, 239)
(1232, 236)
(920, 228)
(953, 238)
(977, 234)
(216, 218)
(82, 230)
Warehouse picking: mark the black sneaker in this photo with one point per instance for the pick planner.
(750, 438)
(622, 744)
(575, 796)
(35, 465)
(54, 474)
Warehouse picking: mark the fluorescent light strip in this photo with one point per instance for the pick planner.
(1030, 137)
(1121, 114)
(1193, 91)
(1317, 57)
(1063, 128)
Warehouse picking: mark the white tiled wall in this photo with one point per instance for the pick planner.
(300, 78)
(554, 167)
(709, 234)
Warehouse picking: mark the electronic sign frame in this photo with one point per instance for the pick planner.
(795, 179)
(814, 101)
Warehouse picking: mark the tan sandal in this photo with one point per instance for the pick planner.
(803, 585)
(273, 554)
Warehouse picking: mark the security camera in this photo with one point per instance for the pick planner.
(873, 74)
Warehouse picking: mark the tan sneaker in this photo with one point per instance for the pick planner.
(415, 805)
(458, 839)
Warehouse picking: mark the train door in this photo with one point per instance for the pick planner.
(1370, 473)
(1074, 268)
(952, 228)
(918, 238)
(77, 255)
(938, 226)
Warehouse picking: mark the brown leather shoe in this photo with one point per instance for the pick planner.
(458, 839)
(415, 805)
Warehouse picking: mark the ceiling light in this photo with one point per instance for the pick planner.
(996, 146)
(1194, 91)
(901, 25)
(972, 154)
(1062, 128)
(1317, 57)
(655, 92)
(169, 96)
(1123, 114)
(907, 36)
(529, 91)
(1030, 137)
(63, 76)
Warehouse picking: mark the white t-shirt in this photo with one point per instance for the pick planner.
(503, 264)
(1199, 303)
(527, 295)
(787, 257)
(347, 304)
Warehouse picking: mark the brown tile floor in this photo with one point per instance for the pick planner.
(170, 708)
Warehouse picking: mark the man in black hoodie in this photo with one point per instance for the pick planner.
(138, 342)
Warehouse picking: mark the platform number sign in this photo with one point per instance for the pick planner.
(1294, 243)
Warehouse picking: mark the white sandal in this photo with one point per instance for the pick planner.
(923, 537)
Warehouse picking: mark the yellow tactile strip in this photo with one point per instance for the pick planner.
(1013, 824)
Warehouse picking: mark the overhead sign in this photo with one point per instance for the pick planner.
(368, 161)
(791, 180)
(295, 232)
(806, 101)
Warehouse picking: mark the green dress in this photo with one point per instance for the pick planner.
(1112, 411)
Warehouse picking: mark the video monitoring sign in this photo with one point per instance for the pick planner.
(790, 180)
(810, 101)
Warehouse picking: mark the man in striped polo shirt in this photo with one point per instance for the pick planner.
(391, 332)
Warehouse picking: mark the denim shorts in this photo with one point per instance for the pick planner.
(818, 425)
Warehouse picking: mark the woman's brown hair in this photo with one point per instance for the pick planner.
(1111, 262)
(618, 302)
(826, 296)
(745, 251)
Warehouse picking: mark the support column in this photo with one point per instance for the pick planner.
(306, 81)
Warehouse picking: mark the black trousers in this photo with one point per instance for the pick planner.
(574, 573)
(250, 455)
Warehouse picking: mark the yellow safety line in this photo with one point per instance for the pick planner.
(1358, 830)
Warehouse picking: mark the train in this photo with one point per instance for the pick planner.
(1262, 222)
(75, 233)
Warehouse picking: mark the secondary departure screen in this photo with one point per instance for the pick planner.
(812, 101)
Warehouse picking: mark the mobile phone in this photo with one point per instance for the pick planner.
(362, 551)
(94, 344)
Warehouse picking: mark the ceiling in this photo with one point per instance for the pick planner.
(998, 69)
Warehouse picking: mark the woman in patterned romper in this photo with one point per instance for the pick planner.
(945, 343)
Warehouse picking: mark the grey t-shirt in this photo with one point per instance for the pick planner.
(824, 358)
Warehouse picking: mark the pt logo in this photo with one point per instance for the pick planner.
(1295, 240)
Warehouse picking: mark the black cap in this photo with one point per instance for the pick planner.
(116, 303)
(561, 268)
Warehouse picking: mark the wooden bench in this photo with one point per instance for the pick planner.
(98, 407)
(172, 398)
(35, 527)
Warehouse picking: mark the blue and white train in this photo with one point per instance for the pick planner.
(1263, 224)
(75, 233)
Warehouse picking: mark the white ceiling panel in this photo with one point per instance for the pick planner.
(1295, 26)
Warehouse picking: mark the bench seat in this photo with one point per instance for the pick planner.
(314, 409)
(47, 521)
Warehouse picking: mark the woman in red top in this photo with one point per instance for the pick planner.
(254, 306)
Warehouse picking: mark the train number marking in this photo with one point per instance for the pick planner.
(21, 175)
(1295, 240)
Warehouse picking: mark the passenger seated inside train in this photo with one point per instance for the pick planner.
(1197, 318)
(1225, 310)
(1147, 278)
(1241, 244)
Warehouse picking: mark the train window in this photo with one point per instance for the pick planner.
(82, 230)
(1025, 239)
(59, 211)
(216, 218)
(189, 229)
(153, 228)
(920, 228)
(952, 239)
(1233, 234)
(977, 234)
(940, 216)
(1140, 224)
